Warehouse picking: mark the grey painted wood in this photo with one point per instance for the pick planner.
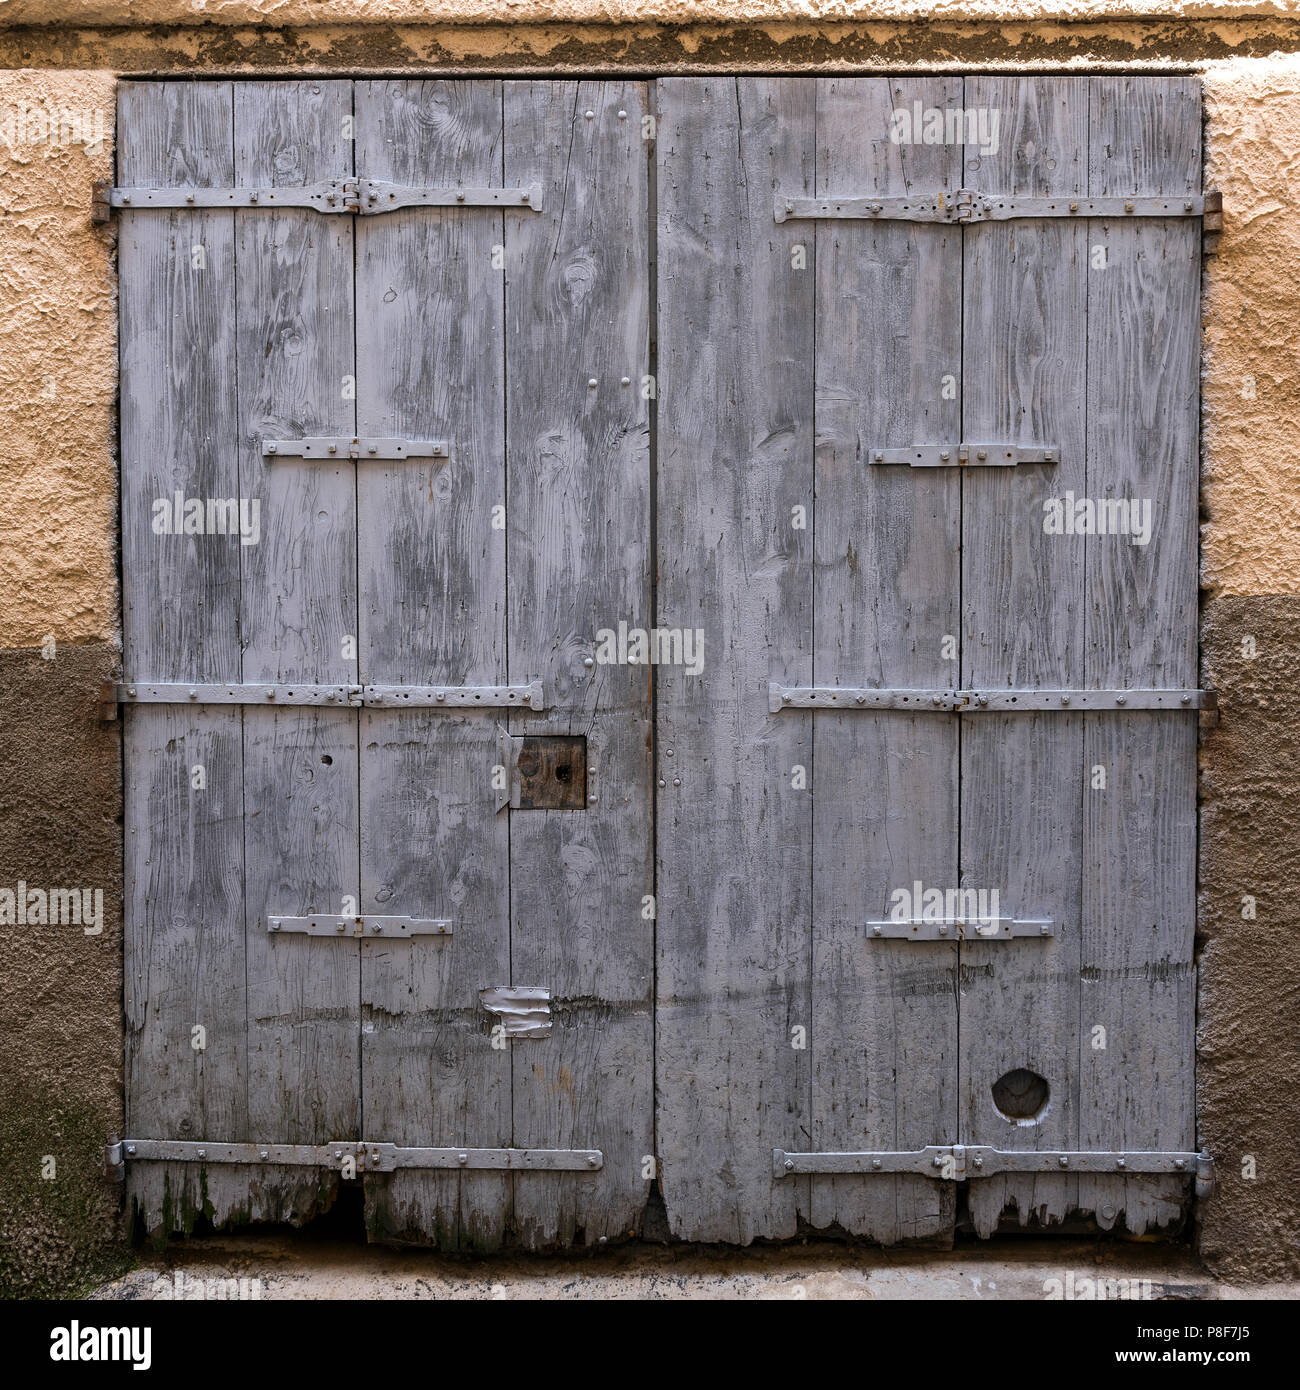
(1024, 371)
(888, 332)
(578, 499)
(1141, 614)
(735, 442)
(430, 365)
(184, 930)
(294, 314)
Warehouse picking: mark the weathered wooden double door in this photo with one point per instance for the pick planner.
(659, 652)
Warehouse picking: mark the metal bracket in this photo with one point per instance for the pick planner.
(354, 696)
(456, 696)
(961, 929)
(962, 1162)
(366, 197)
(326, 924)
(981, 701)
(353, 447)
(967, 455)
(182, 693)
(966, 205)
(367, 1157)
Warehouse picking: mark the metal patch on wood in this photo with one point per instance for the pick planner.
(326, 924)
(957, 1162)
(524, 1010)
(365, 1156)
(961, 929)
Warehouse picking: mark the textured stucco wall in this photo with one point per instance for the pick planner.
(60, 796)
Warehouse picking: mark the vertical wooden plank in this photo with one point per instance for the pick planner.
(184, 928)
(430, 365)
(1025, 292)
(299, 614)
(735, 443)
(888, 341)
(578, 498)
(1140, 835)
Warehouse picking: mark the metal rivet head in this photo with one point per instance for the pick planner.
(1121, 1163)
(127, 199)
(1047, 454)
(938, 1160)
(189, 197)
(275, 925)
(1187, 699)
(785, 699)
(668, 752)
(131, 691)
(862, 699)
(677, 781)
(272, 449)
(875, 1163)
(588, 662)
(943, 454)
(340, 926)
(1043, 930)
(1180, 1163)
(130, 1148)
(591, 381)
(525, 197)
(440, 695)
(203, 1153)
(1121, 699)
(622, 115)
(338, 1153)
(978, 1162)
(875, 931)
(270, 692)
(880, 458)
(662, 783)
(253, 196)
(590, 115)
(1128, 207)
(1063, 1161)
(462, 1158)
(982, 454)
(194, 694)
(263, 1154)
(591, 1161)
(788, 1165)
(460, 197)
(1065, 699)
(334, 448)
(625, 381)
(372, 449)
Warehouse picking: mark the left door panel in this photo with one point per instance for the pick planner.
(237, 326)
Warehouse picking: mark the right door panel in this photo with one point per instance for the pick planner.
(791, 1016)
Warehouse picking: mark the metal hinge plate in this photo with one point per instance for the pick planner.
(363, 1155)
(366, 197)
(344, 446)
(967, 455)
(847, 697)
(966, 205)
(326, 924)
(961, 929)
(961, 1162)
(528, 695)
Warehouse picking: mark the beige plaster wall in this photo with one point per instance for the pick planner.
(58, 368)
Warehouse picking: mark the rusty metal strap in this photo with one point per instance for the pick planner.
(966, 205)
(847, 697)
(365, 1156)
(959, 1162)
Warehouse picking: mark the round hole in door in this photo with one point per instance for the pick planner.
(1021, 1094)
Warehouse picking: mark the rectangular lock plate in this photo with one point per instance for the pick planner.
(552, 771)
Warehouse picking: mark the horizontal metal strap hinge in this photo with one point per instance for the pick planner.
(362, 1155)
(366, 197)
(967, 455)
(966, 205)
(982, 701)
(354, 447)
(327, 924)
(960, 929)
(529, 694)
(961, 1162)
